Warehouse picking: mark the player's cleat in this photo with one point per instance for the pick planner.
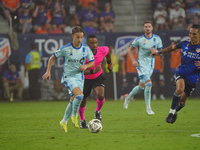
(64, 126)
(75, 121)
(174, 118)
(150, 112)
(126, 101)
(97, 115)
(169, 118)
(83, 124)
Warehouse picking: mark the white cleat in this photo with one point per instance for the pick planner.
(126, 101)
(150, 112)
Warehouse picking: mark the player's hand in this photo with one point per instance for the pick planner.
(135, 64)
(46, 75)
(110, 68)
(82, 67)
(197, 63)
(154, 52)
(97, 69)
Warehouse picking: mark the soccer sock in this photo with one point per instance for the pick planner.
(175, 101)
(68, 112)
(137, 89)
(147, 92)
(76, 103)
(179, 107)
(100, 104)
(81, 113)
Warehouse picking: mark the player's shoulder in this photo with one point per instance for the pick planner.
(85, 46)
(139, 38)
(156, 36)
(65, 46)
(102, 48)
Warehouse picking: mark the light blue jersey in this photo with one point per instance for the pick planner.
(73, 58)
(144, 44)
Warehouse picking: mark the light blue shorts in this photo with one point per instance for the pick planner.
(72, 83)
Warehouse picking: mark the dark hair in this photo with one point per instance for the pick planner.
(90, 36)
(148, 21)
(196, 26)
(77, 29)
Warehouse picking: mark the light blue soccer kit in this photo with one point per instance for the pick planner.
(73, 58)
(72, 77)
(146, 63)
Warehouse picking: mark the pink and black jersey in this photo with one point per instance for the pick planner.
(98, 58)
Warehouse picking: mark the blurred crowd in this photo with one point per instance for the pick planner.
(58, 16)
(176, 15)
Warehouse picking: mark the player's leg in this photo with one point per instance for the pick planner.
(99, 91)
(188, 90)
(137, 89)
(78, 97)
(86, 92)
(67, 115)
(145, 79)
(180, 87)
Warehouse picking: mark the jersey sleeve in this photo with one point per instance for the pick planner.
(160, 45)
(89, 56)
(179, 45)
(134, 44)
(59, 53)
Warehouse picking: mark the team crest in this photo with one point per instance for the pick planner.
(198, 50)
(144, 42)
(122, 44)
(71, 52)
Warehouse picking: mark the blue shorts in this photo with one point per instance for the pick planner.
(189, 87)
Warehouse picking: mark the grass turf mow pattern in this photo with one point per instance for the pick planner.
(35, 126)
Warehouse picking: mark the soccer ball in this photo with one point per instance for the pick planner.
(95, 126)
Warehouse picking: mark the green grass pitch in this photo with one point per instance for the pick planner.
(35, 126)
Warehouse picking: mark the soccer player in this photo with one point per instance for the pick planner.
(144, 64)
(74, 55)
(94, 79)
(188, 72)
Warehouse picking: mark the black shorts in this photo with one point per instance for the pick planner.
(90, 84)
(189, 87)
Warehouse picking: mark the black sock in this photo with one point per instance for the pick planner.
(175, 101)
(179, 107)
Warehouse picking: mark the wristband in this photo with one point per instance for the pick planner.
(91, 72)
(110, 64)
(159, 52)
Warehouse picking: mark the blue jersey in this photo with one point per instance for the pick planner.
(144, 44)
(73, 58)
(190, 54)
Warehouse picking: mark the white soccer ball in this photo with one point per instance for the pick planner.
(95, 126)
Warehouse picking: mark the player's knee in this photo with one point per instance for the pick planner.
(83, 103)
(79, 97)
(100, 97)
(148, 84)
(179, 91)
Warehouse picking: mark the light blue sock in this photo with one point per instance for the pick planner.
(137, 89)
(76, 103)
(147, 92)
(68, 111)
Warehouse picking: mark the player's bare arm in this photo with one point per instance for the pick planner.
(163, 51)
(131, 52)
(108, 58)
(86, 66)
(95, 70)
(48, 71)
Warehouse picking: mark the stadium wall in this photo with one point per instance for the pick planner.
(120, 41)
